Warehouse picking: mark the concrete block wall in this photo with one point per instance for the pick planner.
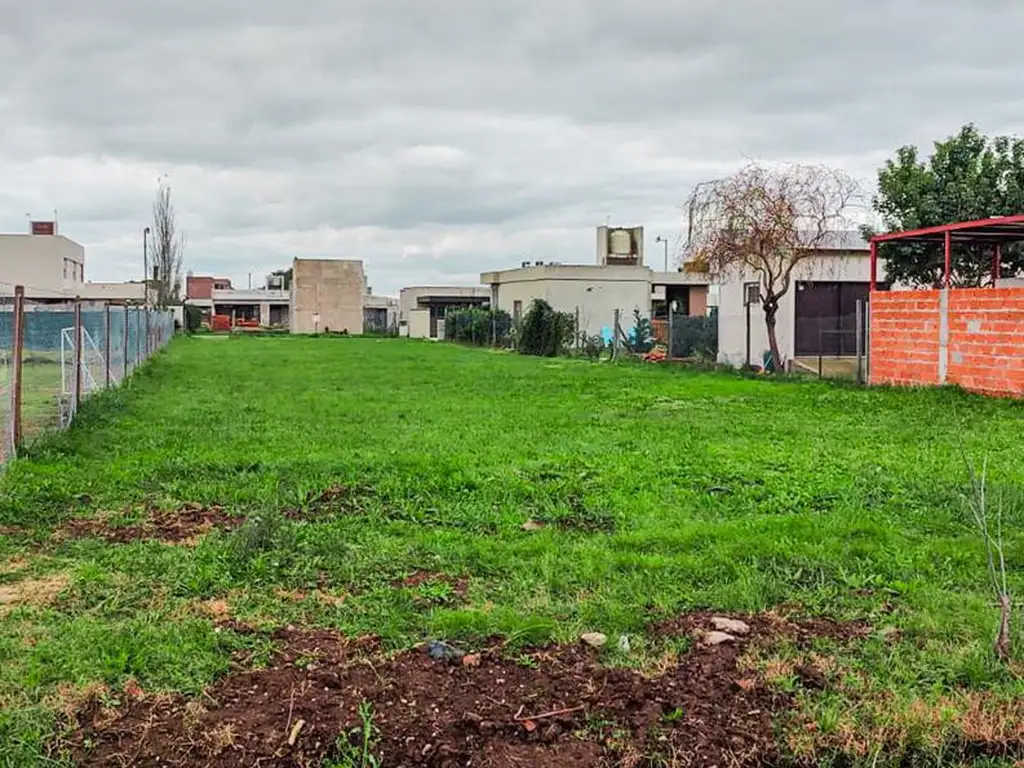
(971, 337)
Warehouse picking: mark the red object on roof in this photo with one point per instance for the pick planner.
(995, 231)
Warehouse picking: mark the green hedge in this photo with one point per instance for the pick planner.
(481, 327)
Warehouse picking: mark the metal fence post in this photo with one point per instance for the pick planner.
(124, 354)
(615, 337)
(16, 372)
(671, 313)
(138, 337)
(579, 338)
(860, 341)
(78, 354)
(149, 344)
(867, 341)
(106, 348)
(821, 337)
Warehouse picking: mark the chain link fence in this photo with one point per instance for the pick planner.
(55, 353)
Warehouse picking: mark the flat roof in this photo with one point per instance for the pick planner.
(429, 298)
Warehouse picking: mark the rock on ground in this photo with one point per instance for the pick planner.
(594, 639)
(732, 626)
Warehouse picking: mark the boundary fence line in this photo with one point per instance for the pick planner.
(56, 352)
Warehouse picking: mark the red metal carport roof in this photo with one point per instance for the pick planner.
(994, 231)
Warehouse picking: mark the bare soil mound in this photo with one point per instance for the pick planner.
(553, 707)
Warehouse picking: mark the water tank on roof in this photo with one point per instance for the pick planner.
(620, 242)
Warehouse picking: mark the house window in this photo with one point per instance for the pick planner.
(517, 310)
(65, 269)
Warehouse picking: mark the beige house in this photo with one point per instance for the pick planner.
(380, 313)
(51, 266)
(421, 308)
(617, 281)
(327, 295)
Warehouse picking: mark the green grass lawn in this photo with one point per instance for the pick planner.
(663, 491)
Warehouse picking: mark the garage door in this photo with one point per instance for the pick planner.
(826, 318)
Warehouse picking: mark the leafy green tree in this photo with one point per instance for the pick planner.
(968, 176)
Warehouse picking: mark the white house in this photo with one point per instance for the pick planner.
(817, 314)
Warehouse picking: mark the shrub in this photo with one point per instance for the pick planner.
(544, 331)
(193, 318)
(641, 338)
(695, 336)
(591, 347)
(478, 326)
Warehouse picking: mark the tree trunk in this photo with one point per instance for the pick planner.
(770, 314)
(1003, 637)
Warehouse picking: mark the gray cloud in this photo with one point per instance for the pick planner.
(437, 139)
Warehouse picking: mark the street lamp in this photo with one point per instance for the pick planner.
(145, 283)
(145, 266)
(660, 239)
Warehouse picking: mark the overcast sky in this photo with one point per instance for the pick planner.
(435, 139)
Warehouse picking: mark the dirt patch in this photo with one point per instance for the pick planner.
(41, 591)
(554, 707)
(768, 625)
(181, 526)
(13, 565)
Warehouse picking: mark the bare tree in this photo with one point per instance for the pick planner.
(978, 503)
(763, 222)
(168, 248)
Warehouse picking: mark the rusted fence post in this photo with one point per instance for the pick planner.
(106, 348)
(18, 344)
(78, 355)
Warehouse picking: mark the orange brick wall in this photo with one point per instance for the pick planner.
(986, 340)
(985, 351)
(904, 337)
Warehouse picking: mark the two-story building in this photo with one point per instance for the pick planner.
(51, 266)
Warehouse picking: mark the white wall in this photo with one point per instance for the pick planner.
(419, 324)
(38, 263)
(831, 266)
(409, 297)
(596, 290)
(113, 291)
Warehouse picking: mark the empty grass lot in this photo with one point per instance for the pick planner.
(661, 491)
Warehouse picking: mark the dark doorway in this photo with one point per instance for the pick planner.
(826, 318)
